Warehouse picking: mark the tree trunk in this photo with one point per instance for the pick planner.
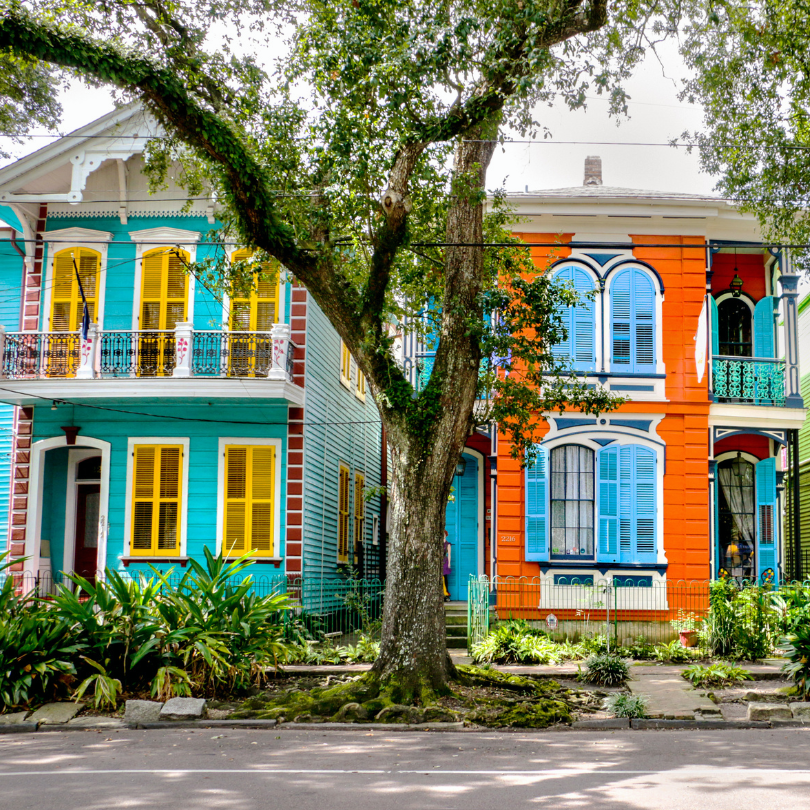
(424, 452)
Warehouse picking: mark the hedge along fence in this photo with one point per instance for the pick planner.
(329, 606)
(571, 608)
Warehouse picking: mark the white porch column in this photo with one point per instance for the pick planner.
(183, 337)
(87, 358)
(281, 340)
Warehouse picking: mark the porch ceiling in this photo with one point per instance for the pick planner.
(33, 392)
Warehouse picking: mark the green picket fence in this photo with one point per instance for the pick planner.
(571, 608)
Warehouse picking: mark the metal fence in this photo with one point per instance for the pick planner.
(572, 608)
(330, 606)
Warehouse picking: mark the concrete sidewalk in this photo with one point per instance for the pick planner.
(670, 696)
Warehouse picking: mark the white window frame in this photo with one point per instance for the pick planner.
(222, 443)
(147, 240)
(597, 306)
(65, 239)
(607, 337)
(185, 441)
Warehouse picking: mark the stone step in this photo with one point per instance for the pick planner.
(455, 620)
(456, 630)
(457, 643)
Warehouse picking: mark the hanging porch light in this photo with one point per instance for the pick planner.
(736, 283)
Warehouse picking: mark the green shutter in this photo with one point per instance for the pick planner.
(766, 519)
(537, 508)
(763, 328)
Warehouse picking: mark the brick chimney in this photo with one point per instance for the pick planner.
(593, 171)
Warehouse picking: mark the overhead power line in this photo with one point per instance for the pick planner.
(62, 401)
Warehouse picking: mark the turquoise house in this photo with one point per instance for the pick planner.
(177, 419)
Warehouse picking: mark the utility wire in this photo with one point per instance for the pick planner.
(62, 401)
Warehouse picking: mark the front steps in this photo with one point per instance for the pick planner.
(455, 620)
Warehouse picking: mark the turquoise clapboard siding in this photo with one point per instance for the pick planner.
(338, 427)
(120, 293)
(202, 463)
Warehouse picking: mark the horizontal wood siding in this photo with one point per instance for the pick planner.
(355, 440)
(6, 445)
(202, 464)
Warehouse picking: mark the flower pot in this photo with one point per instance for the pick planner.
(688, 637)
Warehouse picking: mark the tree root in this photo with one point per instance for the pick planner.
(477, 699)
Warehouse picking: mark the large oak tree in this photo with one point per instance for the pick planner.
(349, 140)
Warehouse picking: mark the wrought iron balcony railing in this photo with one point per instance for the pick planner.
(181, 352)
(751, 380)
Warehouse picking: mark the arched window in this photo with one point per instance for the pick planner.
(734, 327)
(572, 502)
(70, 267)
(579, 321)
(632, 322)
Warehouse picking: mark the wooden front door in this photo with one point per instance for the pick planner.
(86, 554)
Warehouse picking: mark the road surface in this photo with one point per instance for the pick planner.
(373, 770)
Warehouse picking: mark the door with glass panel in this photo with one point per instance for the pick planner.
(164, 304)
(253, 313)
(572, 502)
(736, 519)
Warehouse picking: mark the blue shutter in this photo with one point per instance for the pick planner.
(579, 322)
(607, 547)
(763, 328)
(632, 297)
(714, 322)
(644, 316)
(620, 321)
(766, 518)
(562, 350)
(645, 508)
(537, 508)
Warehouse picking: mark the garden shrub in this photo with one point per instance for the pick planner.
(605, 670)
(211, 635)
(516, 642)
(674, 653)
(797, 652)
(719, 674)
(631, 706)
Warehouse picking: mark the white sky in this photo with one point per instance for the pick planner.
(656, 116)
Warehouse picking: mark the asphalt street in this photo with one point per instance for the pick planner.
(373, 770)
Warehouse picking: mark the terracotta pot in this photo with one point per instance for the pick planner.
(688, 637)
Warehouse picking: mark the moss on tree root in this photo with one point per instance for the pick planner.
(368, 698)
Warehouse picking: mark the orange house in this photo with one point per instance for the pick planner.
(693, 321)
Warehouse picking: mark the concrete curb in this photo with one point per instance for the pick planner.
(611, 723)
(206, 724)
(642, 725)
(17, 728)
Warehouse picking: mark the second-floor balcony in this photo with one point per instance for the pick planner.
(748, 380)
(121, 354)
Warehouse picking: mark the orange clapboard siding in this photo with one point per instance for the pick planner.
(685, 428)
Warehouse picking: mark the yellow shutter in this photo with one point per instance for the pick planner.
(345, 364)
(164, 288)
(359, 511)
(360, 390)
(258, 311)
(156, 499)
(343, 515)
(249, 500)
(66, 300)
